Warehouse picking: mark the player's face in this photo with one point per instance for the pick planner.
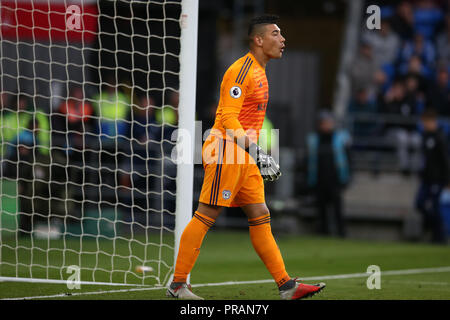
(273, 42)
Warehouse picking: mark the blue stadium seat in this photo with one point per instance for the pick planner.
(426, 21)
(387, 12)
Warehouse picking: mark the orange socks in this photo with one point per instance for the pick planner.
(267, 249)
(190, 243)
(260, 234)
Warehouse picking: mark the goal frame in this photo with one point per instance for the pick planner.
(186, 124)
(186, 113)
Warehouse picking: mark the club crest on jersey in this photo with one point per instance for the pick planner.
(226, 194)
(235, 92)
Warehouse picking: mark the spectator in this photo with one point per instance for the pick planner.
(144, 122)
(363, 70)
(415, 68)
(152, 130)
(77, 119)
(144, 134)
(4, 100)
(113, 109)
(18, 126)
(393, 102)
(384, 42)
(72, 124)
(328, 171)
(167, 118)
(139, 163)
(77, 110)
(400, 128)
(434, 175)
(414, 97)
(168, 114)
(427, 17)
(29, 139)
(403, 20)
(439, 93)
(420, 47)
(361, 105)
(7, 130)
(443, 44)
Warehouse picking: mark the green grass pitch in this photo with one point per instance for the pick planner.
(229, 256)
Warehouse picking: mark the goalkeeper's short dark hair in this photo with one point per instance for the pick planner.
(261, 20)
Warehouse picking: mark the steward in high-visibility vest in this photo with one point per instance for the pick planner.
(17, 128)
(167, 118)
(113, 110)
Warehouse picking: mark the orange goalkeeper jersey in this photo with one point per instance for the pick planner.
(244, 94)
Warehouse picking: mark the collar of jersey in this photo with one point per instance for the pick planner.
(254, 59)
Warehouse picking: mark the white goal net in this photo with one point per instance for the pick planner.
(91, 94)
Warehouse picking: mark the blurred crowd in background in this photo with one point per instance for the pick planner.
(401, 99)
(110, 146)
(401, 70)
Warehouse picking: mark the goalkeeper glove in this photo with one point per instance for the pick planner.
(268, 167)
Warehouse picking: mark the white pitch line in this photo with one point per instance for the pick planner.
(228, 283)
(425, 283)
(332, 277)
(65, 295)
(55, 281)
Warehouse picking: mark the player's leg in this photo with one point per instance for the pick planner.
(267, 249)
(190, 244)
(252, 201)
(263, 241)
(192, 239)
(220, 181)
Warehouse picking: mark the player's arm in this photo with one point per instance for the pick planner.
(235, 87)
(234, 90)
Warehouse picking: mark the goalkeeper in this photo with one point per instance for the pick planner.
(236, 167)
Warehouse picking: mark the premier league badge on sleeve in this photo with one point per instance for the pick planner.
(235, 92)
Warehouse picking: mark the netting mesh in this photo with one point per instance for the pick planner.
(89, 97)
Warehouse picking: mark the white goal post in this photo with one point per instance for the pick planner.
(188, 82)
(91, 93)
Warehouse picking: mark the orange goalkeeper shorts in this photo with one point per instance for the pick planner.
(232, 179)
